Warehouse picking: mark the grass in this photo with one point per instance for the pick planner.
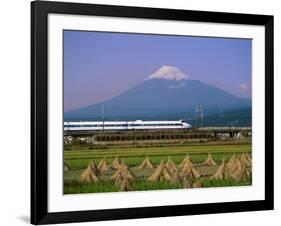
(142, 185)
(78, 160)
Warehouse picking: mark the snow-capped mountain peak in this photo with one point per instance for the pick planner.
(169, 73)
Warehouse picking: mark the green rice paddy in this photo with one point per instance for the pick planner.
(78, 161)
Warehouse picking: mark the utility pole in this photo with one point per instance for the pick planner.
(195, 121)
(199, 111)
(202, 115)
(103, 118)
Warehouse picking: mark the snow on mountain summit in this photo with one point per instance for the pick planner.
(169, 73)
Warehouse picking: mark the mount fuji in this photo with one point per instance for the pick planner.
(166, 94)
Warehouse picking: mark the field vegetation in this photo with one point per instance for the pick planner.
(126, 169)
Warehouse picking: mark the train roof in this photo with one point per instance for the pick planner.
(121, 122)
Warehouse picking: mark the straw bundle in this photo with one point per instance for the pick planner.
(241, 172)
(189, 171)
(236, 166)
(123, 178)
(171, 166)
(66, 167)
(222, 172)
(146, 164)
(175, 178)
(245, 161)
(123, 173)
(116, 163)
(248, 157)
(103, 166)
(210, 161)
(197, 184)
(186, 183)
(232, 163)
(185, 161)
(90, 174)
(125, 185)
(161, 173)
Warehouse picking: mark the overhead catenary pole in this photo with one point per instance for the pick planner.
(103, 118)
(199, 115)
(202, 115)
(195, 117)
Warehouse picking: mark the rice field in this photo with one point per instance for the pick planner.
(78, 161)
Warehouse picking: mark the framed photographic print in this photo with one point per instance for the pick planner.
(145, 112)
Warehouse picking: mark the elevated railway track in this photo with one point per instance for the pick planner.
(205, 133)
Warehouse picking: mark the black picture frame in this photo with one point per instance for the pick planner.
(39, 112)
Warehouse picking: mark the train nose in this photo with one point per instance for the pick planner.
(186, 125)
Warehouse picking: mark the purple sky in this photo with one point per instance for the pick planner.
(100, 65)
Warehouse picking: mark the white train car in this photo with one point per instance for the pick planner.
(125, 125)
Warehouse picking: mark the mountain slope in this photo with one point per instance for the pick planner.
(166, 94)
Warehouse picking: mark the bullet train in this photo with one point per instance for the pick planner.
(125, 125)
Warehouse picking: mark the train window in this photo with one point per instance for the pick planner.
(124, 125)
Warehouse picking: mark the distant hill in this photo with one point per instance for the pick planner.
(235, 117)
(166, 94)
